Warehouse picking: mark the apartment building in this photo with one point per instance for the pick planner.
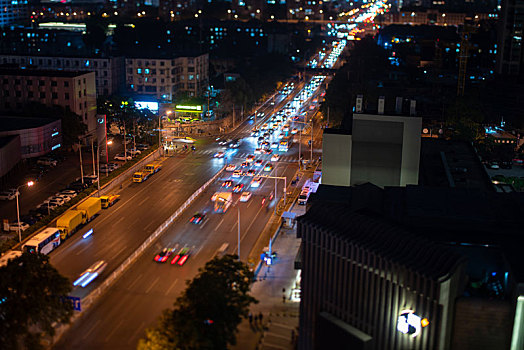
(73, 90)
(164, 78)
(109, 72)
(12, 11)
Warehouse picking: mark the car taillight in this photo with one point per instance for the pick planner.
(175, 259)
(183, 260)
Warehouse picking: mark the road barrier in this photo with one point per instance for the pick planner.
(118, 272)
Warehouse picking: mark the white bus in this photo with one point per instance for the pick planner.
(43, 242)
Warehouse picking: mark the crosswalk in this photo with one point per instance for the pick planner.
(237, 156)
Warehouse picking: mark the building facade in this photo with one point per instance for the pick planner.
(511, 54)
(109, 72)
(75, 91)
(166, 78)
(13, 11)
(35, 136)
(367, 284)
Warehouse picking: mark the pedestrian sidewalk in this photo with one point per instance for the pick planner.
(276, 290)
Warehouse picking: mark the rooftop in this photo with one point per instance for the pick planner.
(41, 72)
(10, 123)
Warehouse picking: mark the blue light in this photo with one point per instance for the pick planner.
(81, 278)
(87, 234)
(87, 63)
(55, 147)
(54, 134)
(91, 277)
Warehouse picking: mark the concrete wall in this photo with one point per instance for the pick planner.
(336, 158)
(9, 155)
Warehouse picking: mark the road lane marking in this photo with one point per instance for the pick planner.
(118, 221)
(114, 330)
(130, 340)
(152, 285)
(91, 329)
(171, 287)
(252, 222)
(132, 283)
(80, 251)
(121, 250)
(143, 201)
(220, 223)
(234, 225)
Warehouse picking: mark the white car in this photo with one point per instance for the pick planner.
(230, 167)
(294, 131)
(274, 144)
(46, 161)
(134, 151)
(275, 158)
(219, 155)
(256, 181)
(250, 158)
(245, 196)
(121, 156)
(63, 197)
(258, 151)
(13, 226)
(69, 193)
(54, 200)
(7, 195)
(237, 173)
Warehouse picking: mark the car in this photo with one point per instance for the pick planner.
(275, 158)
(90, 274)
(268, 151)
(106, 168)
(245, 196)
(230, 167)
(265, 144)
(164, 255)
(256, 181)
(46, 161)
(285, 128)
(237, 173)
(222, 142)
(234, 144)
(121, 156)
(219, 155)
(238, 188)
(251, 172)
(142, 146)
(227, 183)
(268, 167)
(214, 196)
(274, 144)
(63, 197)
(259, 162)
(13, 226)
(506, 164)
(198, 218)
(7, 195)
(69, 193)
(181, 257)
(260, 139)
(294, 131)
(57, 200)
(134, 151)
(493, 165)
(250, 158)
(244, 165)
(258, 151)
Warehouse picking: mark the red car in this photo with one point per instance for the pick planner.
(227, 184)
(181, 257)
(238, 188)
(164, 255)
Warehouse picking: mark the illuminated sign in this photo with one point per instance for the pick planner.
(191, 109)
(152, 106)
(54, 134)
(55, 147)
(409, 323)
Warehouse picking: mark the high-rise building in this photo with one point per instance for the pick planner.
(13, 11)
(75, 91)
(511, 53)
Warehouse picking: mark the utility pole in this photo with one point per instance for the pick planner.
(93, 155)
(81, 167)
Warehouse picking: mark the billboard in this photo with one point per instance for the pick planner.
(152, 106)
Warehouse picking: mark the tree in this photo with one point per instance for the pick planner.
(207, 314)
(465, 116)
(31, 301)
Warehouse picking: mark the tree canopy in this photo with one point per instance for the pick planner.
(208, 312)
(31, 301)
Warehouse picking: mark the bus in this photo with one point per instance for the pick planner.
(285, 143)
(43, 242)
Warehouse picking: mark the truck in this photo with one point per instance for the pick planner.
(108, 200)
(140, 176)
(153, 168)
(90, 208)
(68, 222)
(222, 202)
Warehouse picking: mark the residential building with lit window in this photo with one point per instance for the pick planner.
(109, 72)
(13, 11)
(511, 52)
(164, 78)
(75, 91)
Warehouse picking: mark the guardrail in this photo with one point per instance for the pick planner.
(118, 272)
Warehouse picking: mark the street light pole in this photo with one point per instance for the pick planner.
(81, 167)
(29, 184)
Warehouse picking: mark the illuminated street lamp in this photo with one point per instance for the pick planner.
(29, 184)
